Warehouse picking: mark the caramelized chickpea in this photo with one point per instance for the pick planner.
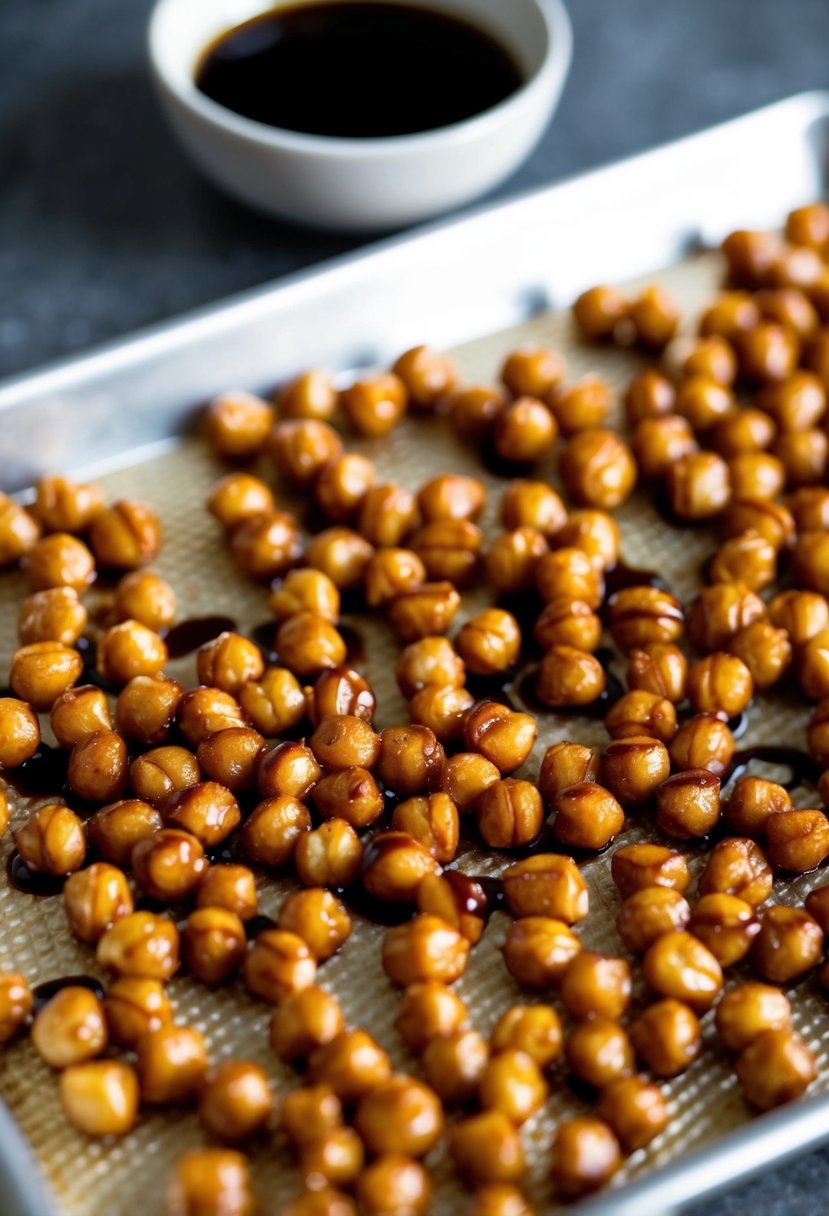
(19, 531)
(641, 714)
(703, 742)
(443, 709)
(428, 1010)
(726, 925)
(129, 650)
(633, 767)
(410, 759)
(100, 1097)
(587, 816)
(568, 623)
(168, 865)
(146, 708)
(585, 1156)
(454, 1064)
(704, 402)
(464, 778)
(712, 357)
(171, 1064)
(351, 1063)
(532, 1030)
(238, 497)
(598, 469)
(375, 405)
(236, 424)
(512, 1082)
(636, 1111)
(667, 1037)
(336, 1157)
(266, 545)
(54, 615)
(270, 834)
(97, 769)
(642, 616)
(142, 945)
(817, 905)
(499, 1199)
(426, 662)
(569, 677)
(736, 866)
(648, 914)
(204, 711)
(341, 485)
(401, 1114)
(487, 1148)
(277, 965)
(657, 444)
(135, 1006)
(538, 950)
(229, 886)
(774, 1068)
(746, 1012)
(449, 549)
(125, 535)
(331, 855)
(546, 884)
(677, 965)
(388, 514)
(275, 703)
(432, 820)
(598, 1051)
(580, 406)
(451, 496)
(390, 573)
(598, 311)
(70, 1028)
(161, 771)
(421, 611)
(301, 447)
(489, 642)
(596, 533)
(213, 944)
(768, 352)
(595, 986)
(425, 948)
(719, 612)
(812, 667)
(565, 764)
(798, 841)
(52, 840)
(231, 758)
(115, 830)
(15, 1004)
(745, 432)
(569, 573)
(229, 661)
(634, 867)
(699, 486)
(309, 395)
(393, 1183)
(94, 898)
(771, 519)
(766, 652)
(655, 317)
(211, 1182)
(509, 813)
(533, 504)
(688, 804)
(803, 455)
(288, 770)
(525, 431)
(649, 395)
(749, 559)
(236, 1101)
(319, 918)
(42, 672)
(304, 1021)
(59, 560)
(532, 370)
(310, 1112)
(341, 554)
(473, 411)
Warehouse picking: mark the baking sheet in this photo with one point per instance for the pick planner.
(92, 1178)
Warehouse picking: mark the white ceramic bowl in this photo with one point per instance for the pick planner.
(363, 184)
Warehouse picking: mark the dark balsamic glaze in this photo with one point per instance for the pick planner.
(621, 576)
(525, 694)
(191, 634)
(475, 895)
(43, 993)
(357, 70)
(378, 911)
(802, 768)
(264, 636)
(355, 647)
(29, 881)
(258, 924)
(43, 776)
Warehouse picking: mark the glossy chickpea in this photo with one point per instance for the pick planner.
(308, 1113)
(402, 1115)
(748, 558)
(532, 1030)
(598, 1051)
(748, 1011)
(424, 611)
(98, 767)
(429, 661)
(304, 1021)
(454, 1063)
(569, 573)
(766, 652)
(171, 1063)
(647, 914)
(442, 709)
(330, 855)
(810, 560)
(288, 770)
(388, 514)
(635, 867)
(309, 395)
(565, 764)
(509, 813)
(812, 667)
(213, 944)
(301, 447)
(749, 256)
(464, 778)
(596, 986)
(719, 684)
(538, 950)
(726, 925)
(236, 424)
(810, 508)
(456, 898)
(451, 496)
(43, 671)
(325, 1202)
(667, 1037)
(278, 964)
(598, 469)
(643, 616)
(745, 432)
(587, 816)
(568, 623)
(52, 840)
(319, 918)
(130, 649)
(449, 549)
(808, 225)
(265, 546)
(775, 1068)
(792, 308)
(142, 945)
(489, 642)
(795, 404)
(204, 711)
(486, 1148)
(712, 357)
(275, 703)
(100, 1097)
(699, 486)
(309, 644)
(650, 394)
(632, 767)
(688, 804)
(70, 1028)
(546, 884)
(532, 370)
(568, 677)
(580, 406)
(473, 411)
(729, 315)
(512, 1083)
(15, 1004)
(351, 794)
(659, 668)
(162, 771)
(235, 1101)
(657, 443)
(410, 759)
(94, 898)
(636, 1111)
(392, 1184)
(797, 267)
(422, 949)
(736, 866)
(229, 758)
(229, 886)
(228, 662)
(525, 431)
(390, 573)
(429, 1010)
(125, 535)
(598, 311)
(655, 317)
(19, 531)
(134, 1007)
(719, 612)
(375, 405)
(797, 841)
(342, 554)
(596, 533)
(704, 402)
(769, 352)
(433, 821)
(703, 742)
(533, 504)
(336, 1158)
(211, 1182)
(146, 708)
(351, 1063)
(115, 830)
(341, 485)
(53, 615)
(803, 456)
(169, 865)
(270, 834)
(393, 866)
(641, 714)
(305, 590)
(679, 966)
(344, 740)
(146, 598)
(499, 1199)
(585, 1156)
(770, 519)
(237, 497)
(427, 376)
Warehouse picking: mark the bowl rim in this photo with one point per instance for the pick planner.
(549, 76)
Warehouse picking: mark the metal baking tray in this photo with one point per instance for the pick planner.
(444, 285)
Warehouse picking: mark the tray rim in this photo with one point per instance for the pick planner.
(767, 1140)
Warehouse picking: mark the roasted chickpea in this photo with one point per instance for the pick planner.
(59, 560)
(750, 256)
(789, 306)
(143, 945)
(331, 855)
(525, 431)
(643, 616)
(509, 813)
(688, 804)
(432, 820)
(238, 497)
(774, 1068)
(456, 898)
(135, 1006)
(712, 357)
(677, 965)
(270, 834)
(596, 986)
(546, 884)
(427, 375)
(533, 504)
(429, 661)
(474, 411)
(538, 950)
(655, 317)
(454, 1064)
(636, 1111)
(70, 1028)
(309, 395)
(19, 531)
(161, 771)
(812, 667)
(171, 1064)
(277, 965)
(699, 486)
(587, 816)
(598, 469)
(211, 1182)
(746, 1012)
(425, 948)
(766, 652)
(229, 661)
(569, 573)
(565, 764)
(451, 496)
(719, 612)
(410, 759)
(54, 615)
(596, 533)
(94, 898)
(729, 315)
(146, 598)
(344, 740)
(635, 867)
(213, 944)
(489, 642)
(319, 918)
(703, 742)
(580, 406)
(115, 830)
(236, 424)
(443, 709)
(52, 840)
(266, 545)
(749, 559)
(351, 1063)
(146, 708)
(15, 1004)
(532, 1030)
(310, 1112)
(449, 549)
(275, 703)
(288, 770)
(388, 514)
(803, 455)
(428, 1010)
(667, 1037)
(532, 370)
(487, 1148)
(341, 485)
(569, 677)
(42, 672)
(817, 905)
(770, 519)
(745, 432)
(598, 1051)
(499, 1199)
(229, 886)
(598, 311)
(401, 1115)
(393, 1183)
(375, 405)
(97, 769)
(230, 758)
(125, 535)
(304, 1021)
(568, 623)
(100, 1097)
(421, 611)
(704, 402)
(128, 650)
(647, 914)
(737, 866)
(649, 395)
(585, 1156)
(633, 767)
(797, 841)
(464, 778)
(391, 573)
(301, 447)
(641, 714)
(341, 554)
(768, 352)
(236, 1101)
(204, 711)
(168, 865)
(726, 925)
(336, 1157)
(512, 1082)
(657, 443)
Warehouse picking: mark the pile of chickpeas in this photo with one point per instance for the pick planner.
(279, 764)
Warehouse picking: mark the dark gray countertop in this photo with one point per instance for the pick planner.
(104, 227)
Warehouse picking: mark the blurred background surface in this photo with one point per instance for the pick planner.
(105, 227)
